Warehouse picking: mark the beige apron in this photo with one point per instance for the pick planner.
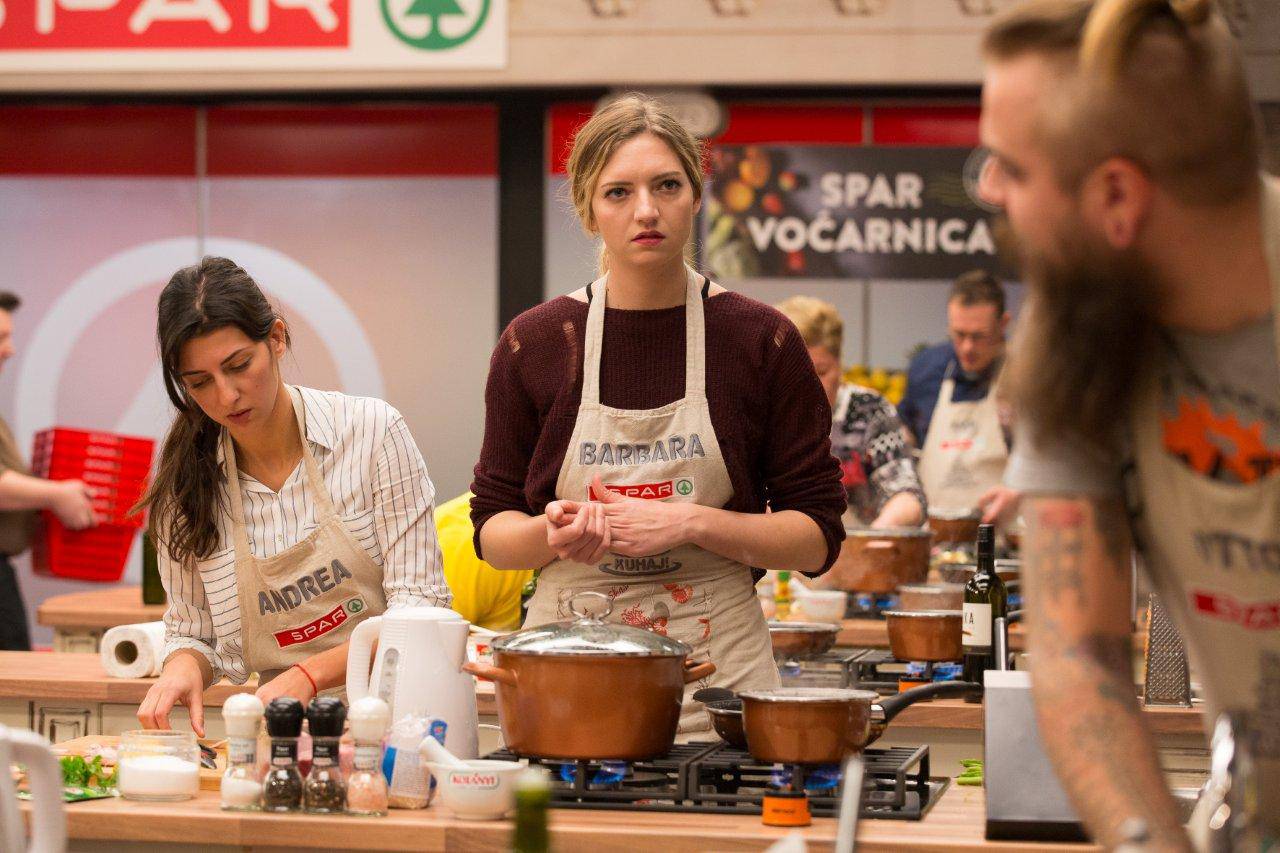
(964, 452)
(669, 453)
(1229, 614)
(309, 597)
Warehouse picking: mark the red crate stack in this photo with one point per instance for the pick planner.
(117, 467)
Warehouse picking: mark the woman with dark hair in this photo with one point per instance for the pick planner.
(282, 515)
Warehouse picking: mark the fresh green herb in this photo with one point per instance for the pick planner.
(78, 773)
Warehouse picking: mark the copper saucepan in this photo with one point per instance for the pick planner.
(815, 725)
(954, 527)
(925, 635)
(879, 561)
(589, 689)
(802, 640)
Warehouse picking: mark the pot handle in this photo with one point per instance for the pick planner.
(893, 705)
(695, 671)
(489, 672)
(881, 545)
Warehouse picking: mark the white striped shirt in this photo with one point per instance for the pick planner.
(378, 482)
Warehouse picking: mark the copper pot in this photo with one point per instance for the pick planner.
(931, 596)
(952, 527)
(925, 635)
(814, 725)
(588, 689)
(802, 640)
(879, 561)
(726, 719)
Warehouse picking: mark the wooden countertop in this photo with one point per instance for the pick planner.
(80, 677)
(104, 608)
(954, 824)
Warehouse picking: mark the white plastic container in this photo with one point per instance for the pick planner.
(482, 790)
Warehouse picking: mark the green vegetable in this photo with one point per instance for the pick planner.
(78, 773)
(969, 780)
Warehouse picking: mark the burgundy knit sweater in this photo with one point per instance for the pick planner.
(768, 409)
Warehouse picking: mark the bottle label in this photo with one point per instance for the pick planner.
(977, 625)
(284, 753)
(367, 757)
(323, 754)
(242, 751)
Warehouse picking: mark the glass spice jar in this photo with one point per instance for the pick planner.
(324, 791)
(367, 786)
(282, 784)
(241, 786)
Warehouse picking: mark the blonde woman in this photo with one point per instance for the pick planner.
(637, 428)
(878, 474)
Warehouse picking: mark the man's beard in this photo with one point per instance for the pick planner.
(1087, 337)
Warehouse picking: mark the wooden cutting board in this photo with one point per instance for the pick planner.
(210, 780)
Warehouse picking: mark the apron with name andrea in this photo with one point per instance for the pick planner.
(1228, 610)
(669, 453)
(310, 596)
(964, 451)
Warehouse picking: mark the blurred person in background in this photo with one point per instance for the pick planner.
(20, 495)
(877, 469)
(952, 407)
(483, 595)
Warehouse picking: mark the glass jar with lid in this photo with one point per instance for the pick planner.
(158, 766)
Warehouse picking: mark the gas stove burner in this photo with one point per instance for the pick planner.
(719, 779)
(866, 605)
(821, 779)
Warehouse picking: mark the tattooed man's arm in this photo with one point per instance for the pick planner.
(1076, 584)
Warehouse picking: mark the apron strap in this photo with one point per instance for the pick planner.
(311, 470)
(695, 339)
(1271, 246)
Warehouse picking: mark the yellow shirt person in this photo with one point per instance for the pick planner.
(482, 594)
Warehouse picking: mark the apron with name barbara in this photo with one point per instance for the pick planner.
(1213, 552)
(964, 451)
(670, 453)
(309, 597)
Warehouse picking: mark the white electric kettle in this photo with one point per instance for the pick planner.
(48, 824)
(418, 670)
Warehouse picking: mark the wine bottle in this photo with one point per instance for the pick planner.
(152, 588)
(985, 600)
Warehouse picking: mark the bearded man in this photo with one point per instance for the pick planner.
(1145, 378)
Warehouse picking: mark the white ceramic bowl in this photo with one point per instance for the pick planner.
(483, 790)
(823, 605)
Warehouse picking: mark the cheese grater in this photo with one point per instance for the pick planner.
(1168, 680)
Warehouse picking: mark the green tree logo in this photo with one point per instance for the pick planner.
(436, 10)
(684, 487)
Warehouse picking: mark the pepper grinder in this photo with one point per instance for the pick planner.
(241, 785)
(367, 786)
(325, 792)
(282, 786)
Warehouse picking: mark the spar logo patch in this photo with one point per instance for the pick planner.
(1254, 616)
(647, 491)
(319, 627)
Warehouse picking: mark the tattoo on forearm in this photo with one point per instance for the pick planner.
(1113, 528)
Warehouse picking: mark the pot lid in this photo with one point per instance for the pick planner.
(889, 532)
(776, 627)
(923, 614)
(810, 694)
(589, 634)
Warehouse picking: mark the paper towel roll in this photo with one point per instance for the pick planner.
(133, 651)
